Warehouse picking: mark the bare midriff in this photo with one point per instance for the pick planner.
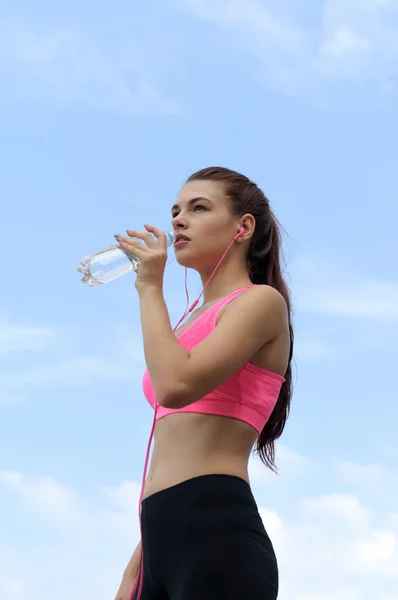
(188, 445)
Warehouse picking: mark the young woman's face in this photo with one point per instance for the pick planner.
(202, 214)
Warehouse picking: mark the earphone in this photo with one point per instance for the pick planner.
(240, 232)
(139, 579)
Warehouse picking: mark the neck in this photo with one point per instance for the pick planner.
(227, 279)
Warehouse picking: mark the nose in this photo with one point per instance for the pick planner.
(179, 222)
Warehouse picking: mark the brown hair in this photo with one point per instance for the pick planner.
(264, 266)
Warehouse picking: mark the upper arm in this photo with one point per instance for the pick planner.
(254, 318)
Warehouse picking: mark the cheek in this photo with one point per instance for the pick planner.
(216, 224)
(219, 231)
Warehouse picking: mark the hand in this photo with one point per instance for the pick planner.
(126, 587)
(152, 255)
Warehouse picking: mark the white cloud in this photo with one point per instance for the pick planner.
(63, 508)
(12, 589)
(93, 543)
(343, 507)
(358, 37)
(69, 68)
(123, 496)
(334, 549)
(18, 337)
(378, 481)
(53, 501)
(121, 517)
(334, 545)
(333, 290)
(328, 546)
(124, 363)
(280, 47)
(75, 371)
(248, 15)
(290, 464)
(354, 473)
(350, 39)
(362, 297)
(78, 371)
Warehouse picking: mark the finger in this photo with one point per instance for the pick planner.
(158, 233)
(137, 250)
(130, 245)
(142, 235)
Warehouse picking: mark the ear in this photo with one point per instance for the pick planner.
(248, 223)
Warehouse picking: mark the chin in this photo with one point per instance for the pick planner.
(198, 260)
(187, 261)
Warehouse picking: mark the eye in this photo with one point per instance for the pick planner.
(173, 215)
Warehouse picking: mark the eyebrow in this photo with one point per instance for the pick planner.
(192, 201)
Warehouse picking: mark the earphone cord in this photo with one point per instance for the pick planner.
(139, 576)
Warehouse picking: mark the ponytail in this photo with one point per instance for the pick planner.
(264, 266)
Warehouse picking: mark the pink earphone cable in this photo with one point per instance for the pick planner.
(187, 311)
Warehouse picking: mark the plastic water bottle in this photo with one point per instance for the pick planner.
(111, 262)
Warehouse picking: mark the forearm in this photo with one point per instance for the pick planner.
(165, 358)
(134, 562)
(129, 575)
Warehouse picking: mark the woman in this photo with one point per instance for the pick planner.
(219, 384)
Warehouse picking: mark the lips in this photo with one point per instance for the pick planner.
(181, 238)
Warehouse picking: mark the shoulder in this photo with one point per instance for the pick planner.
(251, 320)
(262, 299)
(262, 306)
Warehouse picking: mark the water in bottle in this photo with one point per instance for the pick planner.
(111, 262)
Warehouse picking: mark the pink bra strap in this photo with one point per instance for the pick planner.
(227, 300)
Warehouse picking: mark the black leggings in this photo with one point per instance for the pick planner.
(203, 539)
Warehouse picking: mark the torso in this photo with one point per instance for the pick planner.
(187, 445)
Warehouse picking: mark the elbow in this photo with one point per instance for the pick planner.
(174, 397)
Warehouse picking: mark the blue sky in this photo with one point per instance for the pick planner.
(105, 111)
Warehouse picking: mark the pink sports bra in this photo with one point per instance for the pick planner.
(249, 395)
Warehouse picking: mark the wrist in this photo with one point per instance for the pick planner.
(149, 288)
